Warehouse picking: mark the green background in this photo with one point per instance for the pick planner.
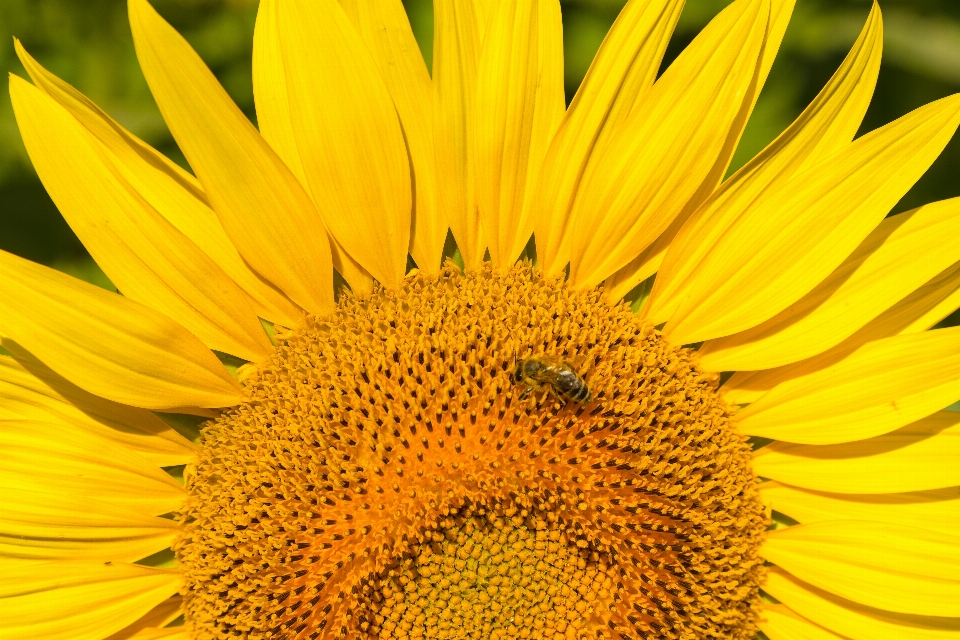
(88, 43)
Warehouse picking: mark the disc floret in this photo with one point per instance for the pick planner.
(388, 480)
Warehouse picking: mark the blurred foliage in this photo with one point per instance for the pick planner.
(88, 43)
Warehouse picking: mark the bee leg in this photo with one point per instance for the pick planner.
(525, 393)
(555, 394)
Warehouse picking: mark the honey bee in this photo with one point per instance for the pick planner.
(557, 376)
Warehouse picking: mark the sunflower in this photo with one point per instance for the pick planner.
(343, 394)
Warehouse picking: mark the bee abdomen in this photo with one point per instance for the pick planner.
(581, 394)
(572, 386)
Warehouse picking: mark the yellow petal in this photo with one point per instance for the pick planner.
(882, 386)
(270, 90)
(901, 254)
(937, 510)
(458, 33)
(32, 391)
(520, 97)
(649, 260)
(78, 600)
(780, 623)
(276, 125)
(262, 206)
(919, 311)
(146, 257)
(881, 565)
(150, 625)
(923, 308)
(640, 268)
(359, 279)
(107, 344)
(919, 457)
(854, 620)
(637, 183)
(781, 247)
(173, 192)
(59, 458)
(619, 78)
(348, 136)
(385, 30)
(170, 633)
(44, 525)
(826, 126)
(485, 10)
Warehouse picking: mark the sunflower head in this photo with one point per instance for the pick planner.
(492, 447)
(387, 477)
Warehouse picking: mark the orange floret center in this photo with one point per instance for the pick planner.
(389, 478)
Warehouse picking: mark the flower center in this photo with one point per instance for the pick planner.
(479, 455)
(491, 576)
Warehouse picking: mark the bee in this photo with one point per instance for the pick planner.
(557, 376)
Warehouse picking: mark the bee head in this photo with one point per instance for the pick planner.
(518, 372)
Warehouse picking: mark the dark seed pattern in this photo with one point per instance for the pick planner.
(386, 480)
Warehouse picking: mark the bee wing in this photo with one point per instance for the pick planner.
(556, 364)
(576, 363)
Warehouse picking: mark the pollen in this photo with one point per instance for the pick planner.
(492, 576)
(388, 478)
